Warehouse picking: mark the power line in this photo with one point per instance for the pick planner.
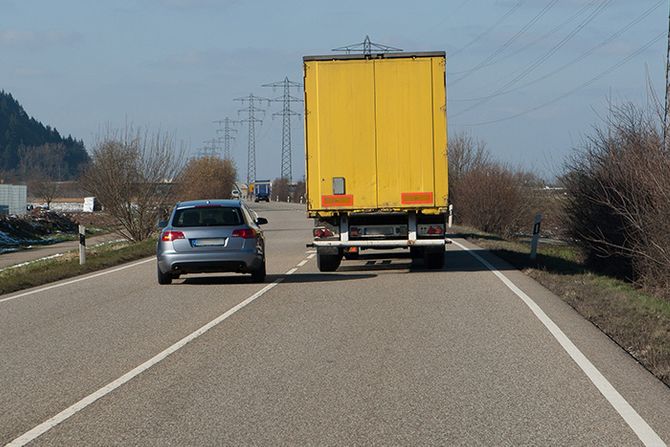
(579, 58)
(585, 84)
(286, 99)
(525, 72)
(493, 56)
(549, 33)
(509, 12)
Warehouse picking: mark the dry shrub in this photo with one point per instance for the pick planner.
(488, 195)
(618, 187)
(207, 178)
(281, 189)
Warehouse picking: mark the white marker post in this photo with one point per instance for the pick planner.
(451, 215)
(536, 236)
(82, 245)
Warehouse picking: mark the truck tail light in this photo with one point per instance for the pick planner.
(168, 236)
(245, 233)
(322, 232)
(436, 229)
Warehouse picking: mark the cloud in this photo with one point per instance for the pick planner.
(38, 39)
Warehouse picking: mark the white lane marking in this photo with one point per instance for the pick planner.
(643, 431)
(33, 434)
(84, 278)
(303, 262)
(311, 256)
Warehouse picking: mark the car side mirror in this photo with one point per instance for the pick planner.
(261, 221)
(162, 224)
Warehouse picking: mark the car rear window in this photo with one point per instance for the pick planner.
(209, 216)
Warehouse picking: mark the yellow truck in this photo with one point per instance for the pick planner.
(376, 153)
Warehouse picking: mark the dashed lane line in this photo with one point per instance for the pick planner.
(44, 427)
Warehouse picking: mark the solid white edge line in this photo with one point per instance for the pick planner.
(83, 278)
(311, 256)
(33, 434)
(643, 431)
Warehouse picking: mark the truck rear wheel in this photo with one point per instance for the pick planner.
(434, 259)
(328, 263)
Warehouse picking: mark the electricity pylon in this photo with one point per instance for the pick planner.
(251, 121)
(366, 48)
(227, 137)
(286, 99)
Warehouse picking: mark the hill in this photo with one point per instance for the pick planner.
(30, 149)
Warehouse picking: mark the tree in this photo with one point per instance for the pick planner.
(43, 167)
(207, 178)
(280, 188)
(132, 173)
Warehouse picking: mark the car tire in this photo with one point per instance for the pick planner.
(328, 263)
(163, 278)
(258, 275)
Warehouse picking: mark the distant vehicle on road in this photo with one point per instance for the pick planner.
(209, 236)
(261, 190)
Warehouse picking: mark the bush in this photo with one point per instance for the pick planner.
(618, 185)
(207, 178)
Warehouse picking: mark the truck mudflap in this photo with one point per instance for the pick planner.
(381, 244)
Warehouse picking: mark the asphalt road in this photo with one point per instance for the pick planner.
(378, 353)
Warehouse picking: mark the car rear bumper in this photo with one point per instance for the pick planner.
(180, 263)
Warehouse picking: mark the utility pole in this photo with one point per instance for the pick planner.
(666, 131)
(251, 121)
(225, 127)
(286, 99)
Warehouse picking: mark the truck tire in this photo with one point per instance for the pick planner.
(434, 259)
(328, 263)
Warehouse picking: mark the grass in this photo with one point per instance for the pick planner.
(639, 322)
(67, 266)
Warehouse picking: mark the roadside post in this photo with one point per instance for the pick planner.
(82, 245)
(451, 215)
(536, 236)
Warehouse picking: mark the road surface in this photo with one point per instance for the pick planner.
(378, 353)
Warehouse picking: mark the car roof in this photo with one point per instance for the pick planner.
(213, 202)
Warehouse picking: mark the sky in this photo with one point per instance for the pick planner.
(531, 78)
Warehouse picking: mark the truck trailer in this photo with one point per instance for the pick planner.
(376, 154)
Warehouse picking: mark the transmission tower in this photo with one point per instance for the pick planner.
(366, 48)
(286, 99)
(225, 127)
(212, 148)
(251, 121)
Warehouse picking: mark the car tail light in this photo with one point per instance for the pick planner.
(172, 236)
(322, 232)
(245, 233)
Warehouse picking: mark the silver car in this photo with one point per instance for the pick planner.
(206, 236)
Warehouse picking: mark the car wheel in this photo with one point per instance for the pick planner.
(258, 275)
(163, 278)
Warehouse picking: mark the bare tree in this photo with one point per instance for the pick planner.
(466, 153)
(207, 178)
(132, 173)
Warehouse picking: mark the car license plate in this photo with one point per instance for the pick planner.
(217, 242)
